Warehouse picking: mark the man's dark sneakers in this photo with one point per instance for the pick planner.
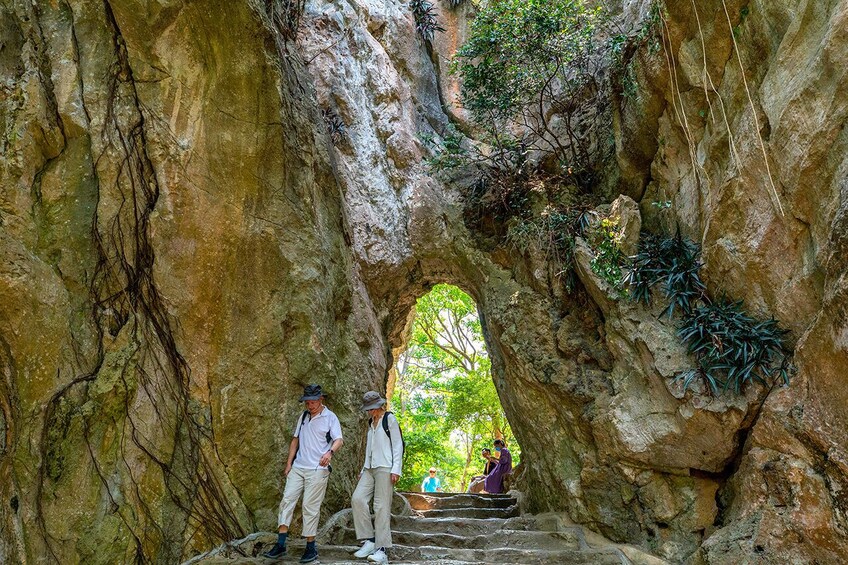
(277, 552)
(310, 555)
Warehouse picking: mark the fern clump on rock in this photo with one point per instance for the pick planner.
(426, 19)
(732, 348)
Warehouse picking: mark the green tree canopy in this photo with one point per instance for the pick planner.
(444, 395)
(525, 64)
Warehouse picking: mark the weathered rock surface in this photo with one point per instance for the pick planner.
(174, 269)
(752, 153)
(183, 247)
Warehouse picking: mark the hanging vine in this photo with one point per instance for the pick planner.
(154, 375)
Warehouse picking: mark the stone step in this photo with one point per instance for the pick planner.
(503, 538)
(523, 556)
(434, 554)
(334, 555)
(444, 494)
(249, 551)
(448, 525)
(471, 512)
(420, 501)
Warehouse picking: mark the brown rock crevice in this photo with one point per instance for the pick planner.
(12, 544)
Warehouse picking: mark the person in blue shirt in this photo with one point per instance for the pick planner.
(431, 483)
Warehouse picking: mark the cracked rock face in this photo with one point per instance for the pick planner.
(184, 246)
(174, 270)
(779, 247)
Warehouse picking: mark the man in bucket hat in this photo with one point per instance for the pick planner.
(317, 437)
(382, 468)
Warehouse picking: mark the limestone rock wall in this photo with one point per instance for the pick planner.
(601, 432)
(174, 268)
(751, 149)
(585, 378)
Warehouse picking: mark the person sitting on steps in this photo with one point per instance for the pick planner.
(494, 483)
(380, 472)
(317, 437)
(476, 483)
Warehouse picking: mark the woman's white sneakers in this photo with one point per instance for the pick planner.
(367, 549)
(379, 556)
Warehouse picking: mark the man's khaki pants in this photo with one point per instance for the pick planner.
(377, 483)
(312, 483)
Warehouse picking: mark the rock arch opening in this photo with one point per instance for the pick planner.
(442, 390)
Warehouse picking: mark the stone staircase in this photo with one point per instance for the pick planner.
(450, 529)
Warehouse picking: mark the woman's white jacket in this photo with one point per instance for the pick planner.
(380, 449)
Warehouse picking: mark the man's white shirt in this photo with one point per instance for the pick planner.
(312, 437)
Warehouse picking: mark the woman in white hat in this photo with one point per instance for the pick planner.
(380, 472)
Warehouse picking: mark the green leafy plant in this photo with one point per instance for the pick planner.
(733, 348)
(449, 151)
(650, 29)
(426, 19)
(553, 232)
(525, 62)
(336, 128)
(629, 82)
(743, 15)
(674, 263)
(444, 394)
(621, 48)
(605, 241)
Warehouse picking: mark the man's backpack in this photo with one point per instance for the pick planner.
(386, 429)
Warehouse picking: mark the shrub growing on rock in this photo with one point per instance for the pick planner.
(336, 128)
(530, 80)
(426, 20)
(553, 232)
(527, 64)
(605, 240)
(674, 263)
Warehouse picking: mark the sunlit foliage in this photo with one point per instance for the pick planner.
(444, 396)
(526, 65)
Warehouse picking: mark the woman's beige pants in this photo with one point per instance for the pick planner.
(376, 483)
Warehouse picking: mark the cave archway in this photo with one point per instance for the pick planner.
(441, 387)
(548, 361)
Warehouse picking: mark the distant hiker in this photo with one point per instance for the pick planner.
(495, 479)
(317, 437)
(382, 468)
(476, 483)
(431, 483)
